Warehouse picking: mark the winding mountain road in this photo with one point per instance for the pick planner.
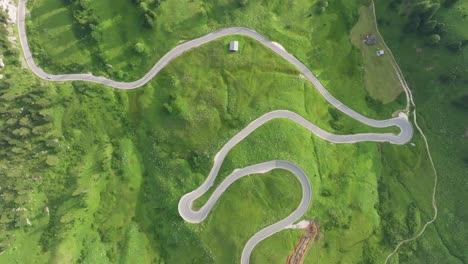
(185, 203)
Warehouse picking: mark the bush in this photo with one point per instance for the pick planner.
(421, 8)
(455, 46)
(413, 24)
(413, 219)
(322, 6)
(449, 3)
(393, 5)
(430, 12)
(139, 48)
(448, 77)
(149, 21)
(243, 2)
(374, 104)
(335, 113)
(429, 26)
(420, 17)
(321, 10)
(145, 7)
(441, 29)
(434, 39)
(461, 103)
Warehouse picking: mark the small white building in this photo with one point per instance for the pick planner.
(234, 46)
(380, 52)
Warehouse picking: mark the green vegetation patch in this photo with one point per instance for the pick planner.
(437, 76)
(126, 157)
(379, 73)
(123, 48)
(52, 39)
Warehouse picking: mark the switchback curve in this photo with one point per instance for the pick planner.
(185, 204)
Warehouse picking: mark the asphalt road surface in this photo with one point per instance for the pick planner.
(185, 203)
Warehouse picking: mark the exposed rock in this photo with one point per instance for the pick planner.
(2, 65)
(10, 7)
(278, 45)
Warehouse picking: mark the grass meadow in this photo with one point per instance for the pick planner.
(121, 160)
(317, 40)
(443, 122)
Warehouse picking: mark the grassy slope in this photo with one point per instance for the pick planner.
(380, 77)
(444, 125)
(316, 40)
(276, 140)
(56, 39)
(212, 98)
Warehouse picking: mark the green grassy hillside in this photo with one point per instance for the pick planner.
(112, 165)
(443, 115)
(319, 41)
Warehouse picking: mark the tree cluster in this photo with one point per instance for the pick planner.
(84, 18)
(146, 8)
(321, 6)
(422, 19)
(395, 228)
(334, 122)
(461, 103)
(449, 3)
(454, 74)
(28, 139)
(458, 45)
(243, 2)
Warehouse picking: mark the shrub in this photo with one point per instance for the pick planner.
(421, 8)
(139, 48)
(374, 103)
(146, 9)
(434, 39)
(413, 219)
(455, 46)
(429, 26)
(449, 3)
(448, 77)
(413, 24)
(322, 6)
(429, 13)
(441, 29)
(461, 103)
(149, 21)
(243, 2)
(334, 113)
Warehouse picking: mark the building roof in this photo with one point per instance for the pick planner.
(234, 45)
(380, 52)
